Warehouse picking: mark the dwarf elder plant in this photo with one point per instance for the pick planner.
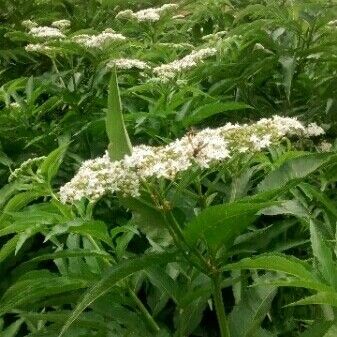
(204, 242)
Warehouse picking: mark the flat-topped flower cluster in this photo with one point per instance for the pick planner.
(124, 63)
(46, 32)
(100, 40)
(201, 149)
(149, 14)
(170, 70)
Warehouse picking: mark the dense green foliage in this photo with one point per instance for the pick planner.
(247, 249)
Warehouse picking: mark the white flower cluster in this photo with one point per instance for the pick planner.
(199, 149)
(126, 64)
(98, 177)
(61, 24)
(173, 45)
(170, 70)
(149, 14)
(29, 24)
(98, 41)
(325, 146)
(214, 36)
(46, 32)
(38, 48)
(314, 130)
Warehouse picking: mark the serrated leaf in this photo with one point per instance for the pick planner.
(296, 283)
(13, 329)
(320, 329)
(188, 318)
(51, 164)
(293, 171)
(246, 317)
(159, 278)
(21, 199)
(212, 109)
(329, 298)
(31, 290)
(323, 254)
(8, 248)
(221, 224)
(291, 207)
(61, 255)
(94, 228)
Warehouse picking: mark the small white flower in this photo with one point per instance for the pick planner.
(46, 32)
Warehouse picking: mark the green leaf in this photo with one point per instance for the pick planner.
(13, 329)
(296, 283)
(51, 164)
(246, 317)
(148, 220)
(94, 228)
(212, 109)
(292, 207)
(321, 329)
(31, 290)
(219, 225)
(61, 255)
(319, 196)
(7, 192)
(163, 281)
(329, 298)
(113, 275)
(276, 262)
(120, 144)
(9, 247)
(86, 321)
(189, 317)
(293, 170)
(21, 200)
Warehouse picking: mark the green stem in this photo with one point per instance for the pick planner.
(219, 307)
(149, 319)
(176, 228)
(179, 244)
